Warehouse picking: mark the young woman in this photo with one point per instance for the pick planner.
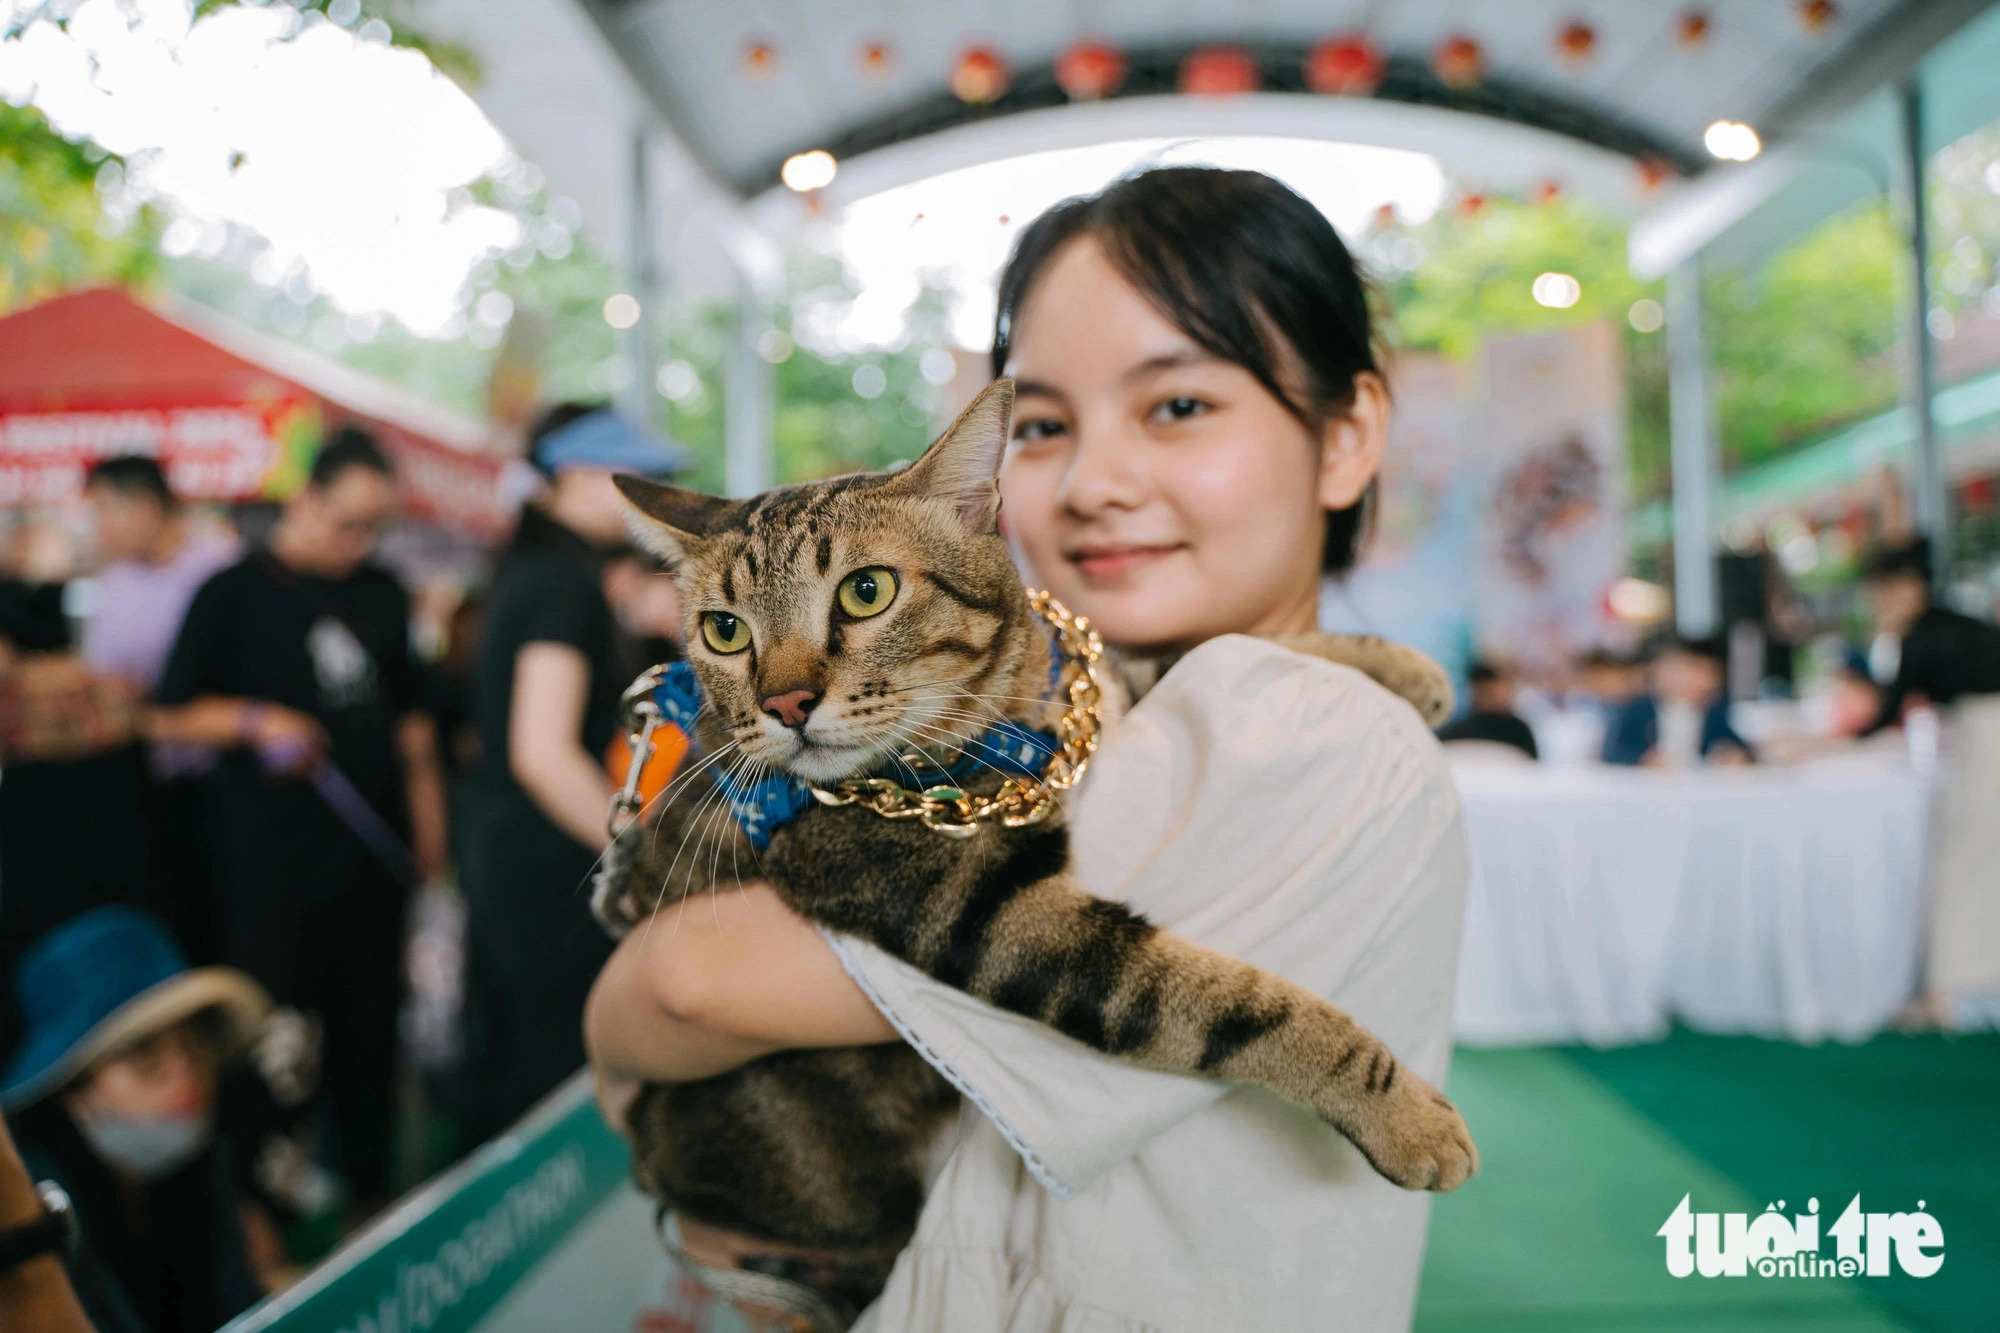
(1200, 418)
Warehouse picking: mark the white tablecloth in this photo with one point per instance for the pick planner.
(1776, 901)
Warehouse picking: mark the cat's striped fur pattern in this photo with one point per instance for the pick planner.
(998, 915)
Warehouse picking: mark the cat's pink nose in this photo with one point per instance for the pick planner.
(791, 708)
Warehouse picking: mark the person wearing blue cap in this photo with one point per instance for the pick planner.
(113, 1091)
(545, 701)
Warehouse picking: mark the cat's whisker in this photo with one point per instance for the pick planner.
(714, 795)
(737, 773)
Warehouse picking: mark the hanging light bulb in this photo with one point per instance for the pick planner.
(1459, 62)
(1576, 42)
(980, 76)
(760, 60)
(1089, 70)
(1350, 66)
(876, 59)
(1219, 71)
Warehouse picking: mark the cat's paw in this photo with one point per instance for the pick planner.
(1416, 1138)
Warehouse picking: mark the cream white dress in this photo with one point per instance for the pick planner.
(1282, 809)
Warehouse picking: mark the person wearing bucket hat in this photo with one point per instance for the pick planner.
(545, 700)
(113, 1091)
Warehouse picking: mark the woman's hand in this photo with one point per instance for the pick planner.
(615, 1096)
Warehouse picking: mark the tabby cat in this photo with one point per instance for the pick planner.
(836, 626)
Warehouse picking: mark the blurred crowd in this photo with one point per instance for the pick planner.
(1670, 704)
(273, 877)
(292, 862)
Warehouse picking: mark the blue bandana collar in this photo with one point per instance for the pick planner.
(765, 806)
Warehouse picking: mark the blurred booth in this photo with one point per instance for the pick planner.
(232, 415)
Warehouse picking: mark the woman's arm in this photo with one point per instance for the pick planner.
(294, 739)
(544, 750)
(716, 982)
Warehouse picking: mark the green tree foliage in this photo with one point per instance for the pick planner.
(56, 228)
(1463, 277)
(1808, 340)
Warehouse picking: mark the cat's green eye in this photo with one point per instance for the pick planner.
(867, 592)
(725, 633)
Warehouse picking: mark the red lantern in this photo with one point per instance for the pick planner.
(760, 60)
(1693, 29)
(1090, 70)
(980, 75)
(1470, 205)
(1576, 42)
(1345, 67)
(1459, 62)
(1547, 192)
(876, 59)
(1220, 71)
(1653, 173)
(1815, 15)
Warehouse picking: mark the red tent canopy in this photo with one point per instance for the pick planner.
(231, 414)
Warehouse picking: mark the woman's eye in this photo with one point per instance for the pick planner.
(1041, 428)
(1178, 409)
(867, 592)
(725, 633)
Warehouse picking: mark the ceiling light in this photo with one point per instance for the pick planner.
(621, 311)
(809, 171)
(1557, 291)
(1732, 141)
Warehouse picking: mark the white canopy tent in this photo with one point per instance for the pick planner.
(669, 121)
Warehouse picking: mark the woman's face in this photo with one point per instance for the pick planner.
(1155, 488)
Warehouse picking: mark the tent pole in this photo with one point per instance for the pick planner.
(1932, 496)
(635, 400)
(748, 388)
(1690, 420)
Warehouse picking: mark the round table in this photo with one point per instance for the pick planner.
(1782, 902)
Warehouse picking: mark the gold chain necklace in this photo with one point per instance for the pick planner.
(1020, 801)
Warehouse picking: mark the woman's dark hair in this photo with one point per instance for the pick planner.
(350, 446)
(1242, 265)
(132, 475)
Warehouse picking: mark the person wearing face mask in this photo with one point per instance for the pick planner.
(113, 1093)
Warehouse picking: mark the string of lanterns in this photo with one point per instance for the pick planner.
(1346, 65)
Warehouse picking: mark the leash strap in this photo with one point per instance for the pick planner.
(365, 823)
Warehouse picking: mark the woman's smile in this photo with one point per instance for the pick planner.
(1109, 562)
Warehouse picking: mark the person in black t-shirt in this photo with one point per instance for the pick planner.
(1943, 654)
(545, 698)
(1492, 716)
(295, 662)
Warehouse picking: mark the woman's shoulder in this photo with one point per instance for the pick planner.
(1313, 687)
(1301, 731)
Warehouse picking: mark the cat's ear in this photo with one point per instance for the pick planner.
(963, 467)
(667, 520)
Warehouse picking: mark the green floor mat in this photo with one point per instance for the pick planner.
(1896, 1119)
(1556, 1233)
